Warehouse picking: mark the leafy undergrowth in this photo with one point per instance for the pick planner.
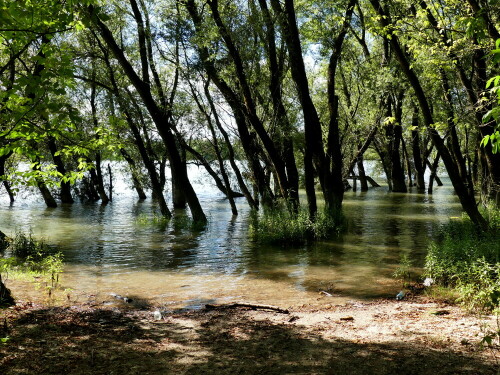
(280, 226)
(468, 262)
(89, 340)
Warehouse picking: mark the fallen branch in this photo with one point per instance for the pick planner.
(248, 306)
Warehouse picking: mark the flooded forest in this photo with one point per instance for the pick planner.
(258, 186)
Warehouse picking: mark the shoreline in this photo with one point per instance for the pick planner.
(416, 336)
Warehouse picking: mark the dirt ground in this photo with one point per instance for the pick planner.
(417, 336)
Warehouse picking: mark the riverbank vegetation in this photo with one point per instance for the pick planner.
(467, 261)
(27, 258)
(281, 227)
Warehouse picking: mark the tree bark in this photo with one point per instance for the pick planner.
(160, 118)
(65, 190)
(42, 187)
(6, 298)
(417, 153)
(466, 199)
(3, 177)
(134, 172)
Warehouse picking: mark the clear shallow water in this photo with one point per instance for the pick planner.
(107, 249)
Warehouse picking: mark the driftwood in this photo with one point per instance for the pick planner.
(247, 306)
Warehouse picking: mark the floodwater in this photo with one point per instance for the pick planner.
(118, 248)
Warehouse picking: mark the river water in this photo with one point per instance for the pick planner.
(118, 249)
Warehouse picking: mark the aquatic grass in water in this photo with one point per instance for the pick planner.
(279, 226)
(178, 222)
(156, 219)
(468, 261)
(32, 259)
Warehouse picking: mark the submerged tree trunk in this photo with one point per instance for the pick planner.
(178, 197)
(361, 173)
(396, 136)
(160, 117)
(417, 153)
(42, 186)
(135, 174)
(466, 198)
(241, 182)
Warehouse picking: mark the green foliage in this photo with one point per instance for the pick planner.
(468, 261)
(31, 257)
(493, 114)
(403, 271)
(280, 226)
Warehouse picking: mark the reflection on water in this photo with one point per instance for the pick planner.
(108, 250)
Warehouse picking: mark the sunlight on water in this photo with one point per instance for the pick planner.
(110, 250)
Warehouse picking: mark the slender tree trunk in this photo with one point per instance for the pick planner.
(280, 113)
(433, 167)
(250, 109)
(178, 197)
(226, 185)
(361, 173)
(110, 174)
(158, 115)
(44, 190)
(150, 167)
(397, 172)
(3, 177)
(65, 186)
(385, 163)
(417, 153)
(466, 199)
(135, 175)
(97, 176)
(237, 172)
(407, 163)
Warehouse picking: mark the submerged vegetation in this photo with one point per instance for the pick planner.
(30, 259)
(468, 261)
(280, 226)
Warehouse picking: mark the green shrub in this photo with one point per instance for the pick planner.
(31, 257)
(25, 246)
(280, 226)
(468, 261)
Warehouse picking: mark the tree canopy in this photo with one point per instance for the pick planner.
(269, 96)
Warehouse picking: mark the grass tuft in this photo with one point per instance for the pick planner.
(468, 261)
(280, 226)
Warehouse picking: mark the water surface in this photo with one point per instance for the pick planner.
(116, 249)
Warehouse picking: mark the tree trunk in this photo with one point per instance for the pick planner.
(42, 187)
(396, 136)
(433, 167)
(249, 107)
(156, 186)
(135, 175)
(361, 173)
(466, 199)
(3, 177)
(6, 298)
(65, 191)
(178, 197)
(236, 170)
(417, 153)
(160, 118)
